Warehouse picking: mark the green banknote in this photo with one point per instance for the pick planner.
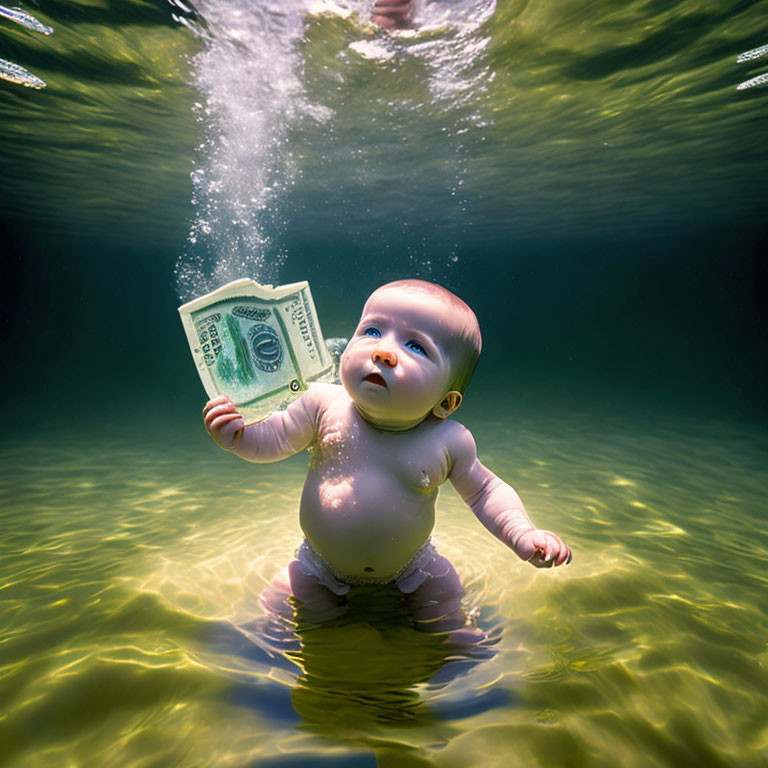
(259, 344)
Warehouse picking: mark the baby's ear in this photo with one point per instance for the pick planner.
(448, 405)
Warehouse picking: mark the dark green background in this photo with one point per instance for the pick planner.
(629, 278)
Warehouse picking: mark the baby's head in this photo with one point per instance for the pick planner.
(413, 353)
(458, 326)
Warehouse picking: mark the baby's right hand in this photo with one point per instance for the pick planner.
(223, 422)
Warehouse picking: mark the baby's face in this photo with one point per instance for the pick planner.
(398, 365)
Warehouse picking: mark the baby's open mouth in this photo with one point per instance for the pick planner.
(376, 378)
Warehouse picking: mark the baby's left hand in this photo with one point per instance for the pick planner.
(543, 549)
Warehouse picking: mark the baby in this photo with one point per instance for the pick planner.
(381, 445)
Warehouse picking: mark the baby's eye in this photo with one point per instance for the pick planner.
(416, 347)
(372, 332)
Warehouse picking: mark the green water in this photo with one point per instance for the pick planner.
(589, 179)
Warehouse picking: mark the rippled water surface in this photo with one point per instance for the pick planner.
(518, 105)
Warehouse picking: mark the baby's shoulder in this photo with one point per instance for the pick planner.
(320, 396)
(325, 391)
(455, 437)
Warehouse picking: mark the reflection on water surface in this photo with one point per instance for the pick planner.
(576, 115)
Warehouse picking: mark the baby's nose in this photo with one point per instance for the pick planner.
(386, 356)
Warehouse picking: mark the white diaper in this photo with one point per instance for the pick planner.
(408, 579)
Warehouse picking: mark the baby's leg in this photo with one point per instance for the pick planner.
(435, 605)
(318, 602)
(314, 601)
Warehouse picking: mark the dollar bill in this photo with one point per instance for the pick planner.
(259, 344)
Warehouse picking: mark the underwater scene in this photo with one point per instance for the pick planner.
(589, 177)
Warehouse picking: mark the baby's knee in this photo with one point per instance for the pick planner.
(442, 581)
(305, 586)
(438, 597)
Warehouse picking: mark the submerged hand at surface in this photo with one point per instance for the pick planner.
(393, 14)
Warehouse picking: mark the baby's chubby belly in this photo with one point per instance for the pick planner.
(364, 524)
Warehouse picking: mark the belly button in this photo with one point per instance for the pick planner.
(368, 569)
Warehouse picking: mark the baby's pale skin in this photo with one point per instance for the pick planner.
(382, 444)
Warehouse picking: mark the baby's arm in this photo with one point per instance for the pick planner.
(499, 508)
(280, 435)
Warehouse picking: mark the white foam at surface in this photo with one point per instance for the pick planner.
(249, 75)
